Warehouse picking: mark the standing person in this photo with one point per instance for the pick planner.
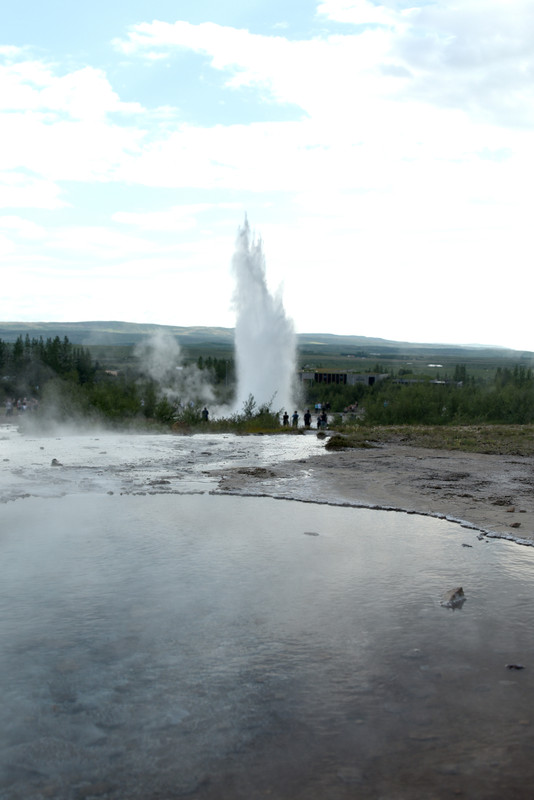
(307, 418)
(205, 414)
(324, 419)
(285, 418)
(295, 419)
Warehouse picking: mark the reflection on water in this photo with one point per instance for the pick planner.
(221, 647)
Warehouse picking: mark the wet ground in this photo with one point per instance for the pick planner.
(98, 461)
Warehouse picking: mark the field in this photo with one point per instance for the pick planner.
(517, 440)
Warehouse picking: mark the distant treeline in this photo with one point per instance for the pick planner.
(68, 382)
(67, 378)
(29, 363)
(506, 398)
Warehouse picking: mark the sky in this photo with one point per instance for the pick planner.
(382, 152)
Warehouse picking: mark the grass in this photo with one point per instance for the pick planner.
(496, 439)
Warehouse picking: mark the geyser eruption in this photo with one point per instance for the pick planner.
(265, 342)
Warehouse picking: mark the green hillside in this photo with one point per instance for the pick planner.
(130, 333)
(112, 343)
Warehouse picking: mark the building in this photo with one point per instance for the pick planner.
(342, 378)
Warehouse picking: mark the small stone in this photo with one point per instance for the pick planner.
(454, 598)
(510, 510)
(515, 524)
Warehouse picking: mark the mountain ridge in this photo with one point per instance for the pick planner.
(117, 332)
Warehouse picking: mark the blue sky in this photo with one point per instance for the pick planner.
(383, 152)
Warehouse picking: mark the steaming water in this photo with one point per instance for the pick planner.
(123, 463)
(265, 343)
(159, 644)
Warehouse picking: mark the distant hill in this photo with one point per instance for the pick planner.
(113, 332)
(130, 333)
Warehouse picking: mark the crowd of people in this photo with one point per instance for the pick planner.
(322, 418)
(20, 405)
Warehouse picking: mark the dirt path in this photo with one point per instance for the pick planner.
(494, 494)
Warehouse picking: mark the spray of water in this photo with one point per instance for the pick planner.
(265, 341)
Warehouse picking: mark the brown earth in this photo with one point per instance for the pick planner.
(491, 493)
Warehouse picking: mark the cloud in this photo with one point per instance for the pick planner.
(19, 190)
(177, 218)
(59, 127)
(358, 12)
(476, 57)
(306, 73)
(22, 228)
(370, 99)
(31, 85)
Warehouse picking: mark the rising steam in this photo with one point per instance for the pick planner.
(161, 360)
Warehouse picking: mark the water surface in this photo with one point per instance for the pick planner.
(167, 645)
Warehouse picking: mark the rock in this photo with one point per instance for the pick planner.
(515, 524)
(515, 666)
(510, 510)
(454, 598)
(56, 463)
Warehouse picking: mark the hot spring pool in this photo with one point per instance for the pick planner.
(160, 646)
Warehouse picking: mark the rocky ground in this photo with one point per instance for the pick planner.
(491, 493)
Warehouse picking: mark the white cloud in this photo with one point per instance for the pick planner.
(23, 228)
(103, 242)
(59, 127)
(306, 73)
(18, 190)
(84, 93)
(358, 12)
(65, 150)
(477, 57)
(177, 218)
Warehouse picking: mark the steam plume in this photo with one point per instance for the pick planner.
(161, 360)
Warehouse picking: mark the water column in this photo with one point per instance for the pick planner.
(265, 341)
